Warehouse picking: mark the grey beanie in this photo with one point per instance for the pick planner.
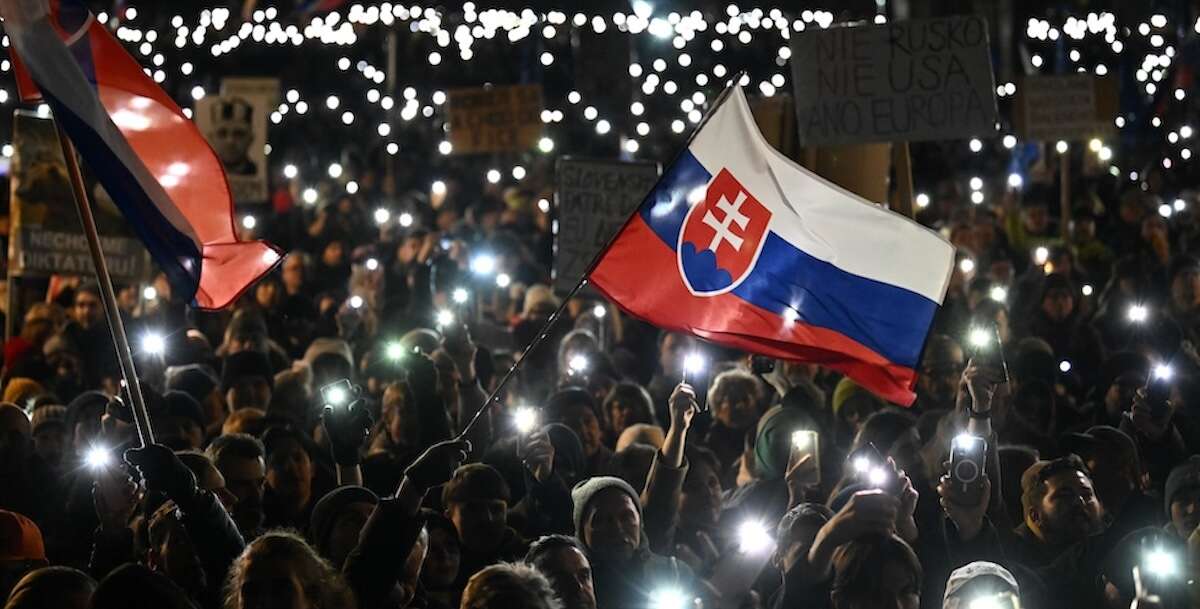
(585, 491)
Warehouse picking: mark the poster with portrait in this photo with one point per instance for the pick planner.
(235, 125)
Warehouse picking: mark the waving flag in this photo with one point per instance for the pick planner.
(739, 245)
(149, 157)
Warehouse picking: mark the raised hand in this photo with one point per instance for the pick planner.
(347, 428)
(437, 464)
(537, 453)
(164, 472)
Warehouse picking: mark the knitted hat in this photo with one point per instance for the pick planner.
(327, 510)
(20, 538)
(585, 491)
(197, 380)
(773, 440)
(1185, 475)
(246, 363)
(20, 390)
(45, 416)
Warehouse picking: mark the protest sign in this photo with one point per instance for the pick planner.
(594, 198)
(46, 236)
(1072, 107)
(495, 119)
(235, 125)
(926, 79)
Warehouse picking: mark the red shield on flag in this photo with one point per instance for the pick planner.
(721, 237)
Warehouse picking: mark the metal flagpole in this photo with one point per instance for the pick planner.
(544, 332)
(141, 417)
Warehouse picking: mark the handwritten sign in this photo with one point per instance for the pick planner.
(495, 119)
(1074, 107)
(594, 198)
(926, 79)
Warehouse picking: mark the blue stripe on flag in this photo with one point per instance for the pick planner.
(175, 252)
(667, 205)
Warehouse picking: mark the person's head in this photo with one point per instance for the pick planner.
(21, 549)
(180, 423)
(876, 572)
(87, 310)
(280, 571)
(247, 331)
(978, 580)
(289, 465)
(292, 272)
(232, 130)
(134, 586)
(632, 464)
(773, 440)
(1132, 207)
(507, 585)
(50, 439)
(1060, 502)
(1162, 563)
(476, 501)
(628, 404)
(337, 519)
(246, 379)
(241, 460)
(268, 293)
(52, 588)
(399, 416)
(895, 435)
(1185, 283)
(852, 406)
(735, 398)
(562, 560)
(1112, 458)
(1058, 298)
(445, 552)
(576, 409)
(171, 551)
(208, 477)
(16, 436)
(200, 382)
(796, 532)
(700, 501)
(672, 347)
(608, 518)
(1182, 497)
(1035, 217)
(333, 254)
(941, 371)
(409, 247)
(641, 433)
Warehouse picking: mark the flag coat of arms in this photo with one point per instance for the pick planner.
(150, 158)
(739, 245)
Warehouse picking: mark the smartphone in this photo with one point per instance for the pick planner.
(1158, 389)
(338, 393)
(985, 347)
(807, 442)
(871, 469)
(761, 364)
(968, 457)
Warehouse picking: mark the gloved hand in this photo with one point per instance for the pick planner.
(422, 375)
(437, 464)
(347, 428)
(164, 472)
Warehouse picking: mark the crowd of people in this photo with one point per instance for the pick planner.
(329, 443)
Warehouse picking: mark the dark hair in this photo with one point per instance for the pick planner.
(474, 481)
(506, 585)
(239, 445)
(633, 396)
(133, 586)
(883, 429)
(858, 565)
(540, 549)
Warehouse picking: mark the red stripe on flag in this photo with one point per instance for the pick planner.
(640, 274)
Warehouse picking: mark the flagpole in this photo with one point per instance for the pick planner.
(141, 417)
(544, 332)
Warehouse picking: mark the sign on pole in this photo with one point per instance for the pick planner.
(46, 236)
(594, 198)
(925, 79)
(495, 119)
(1072, 107)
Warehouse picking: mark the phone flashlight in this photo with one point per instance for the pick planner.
(599, 311)
(754, 538)
(394, 351)
(693, 365)
(337, 393)
(802, 439)
(979, 338)
(460, 295)
(97, 457)
(1160, 563)
(1041, 255)
(525, 419)
(668, 598)
(444, 318)
(356, 302)
(862, 465)
(446, 243)
(483, 264)
(1163, 372)
(153, 343)
(1138, 313)
(578, 364)
(1064, 366)
(998, 293)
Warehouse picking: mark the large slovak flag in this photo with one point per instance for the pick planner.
(739, 245)
(150, 158)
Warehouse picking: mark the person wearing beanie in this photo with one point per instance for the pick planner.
(180, 424)
(48, 425)
(1058, 321)
(200, 382)
(575, 408)
(1182, 498)
(476, 500)
(53, 587)
(796, 532)
(22, 391)
(247, 380)
(608, 521)
(851, 405)
(21, 549)
(337, 519)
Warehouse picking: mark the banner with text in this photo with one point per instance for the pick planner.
(495, 119)
(46, 237)
(1072, 108)
(594, 198)
(925, 79)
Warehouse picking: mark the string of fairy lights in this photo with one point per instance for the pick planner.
(691, 56)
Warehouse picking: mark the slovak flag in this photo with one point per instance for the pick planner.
(150, 158)
(738, 245)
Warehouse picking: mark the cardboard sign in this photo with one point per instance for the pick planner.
(594, 198)
(235, 125)
(46, 236)
(1072, 107)
(495, 119)
(926, 79)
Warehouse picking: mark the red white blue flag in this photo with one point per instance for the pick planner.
(739, 245)
(150, 158)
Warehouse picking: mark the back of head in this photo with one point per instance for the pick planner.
(632, 464)
(323, 585)
(237, 445)
(861, 570)
(509, 586)
(133, 586)
(475, 482)
(641, 433)
(52, 588)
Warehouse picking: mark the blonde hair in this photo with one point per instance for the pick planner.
(323, 585)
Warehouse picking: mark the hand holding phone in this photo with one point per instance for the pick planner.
(968, 459)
